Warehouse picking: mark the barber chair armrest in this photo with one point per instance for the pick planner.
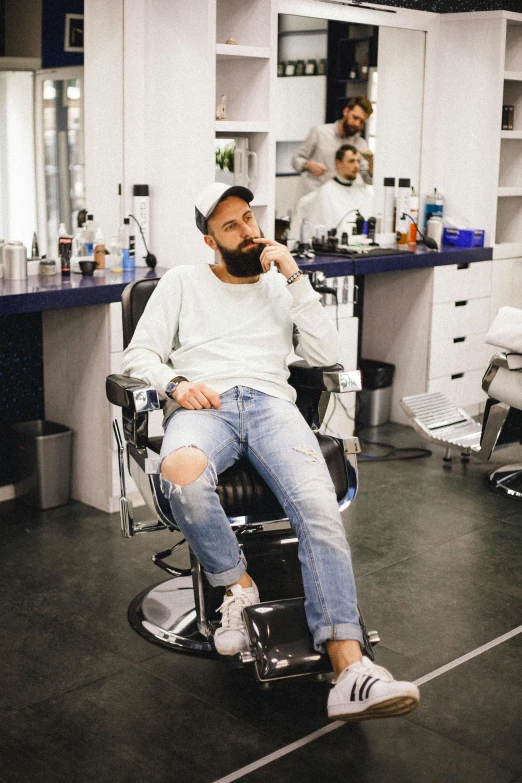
(131, 393)
(332, 378)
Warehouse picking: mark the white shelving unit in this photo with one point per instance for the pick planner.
(508, 229)
(244, 75)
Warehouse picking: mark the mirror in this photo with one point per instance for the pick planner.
(42, 177)
(321, 64)
(60, 153)
(17, 162)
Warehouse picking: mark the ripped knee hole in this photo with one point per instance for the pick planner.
(184, 465)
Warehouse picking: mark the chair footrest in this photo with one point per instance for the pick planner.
(439, 420)
(282, 644)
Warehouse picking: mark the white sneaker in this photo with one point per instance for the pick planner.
(365, 690)
(231, 637)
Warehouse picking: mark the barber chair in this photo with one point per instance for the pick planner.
(438, 420)
(181, 613)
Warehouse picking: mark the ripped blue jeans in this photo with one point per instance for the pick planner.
(272, 434)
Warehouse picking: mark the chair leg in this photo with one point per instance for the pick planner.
(166, 614)
(506, 480)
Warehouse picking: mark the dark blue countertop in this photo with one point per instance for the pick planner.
(336, 266)
(53, 293)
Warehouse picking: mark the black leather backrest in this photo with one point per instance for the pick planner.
(133, 300)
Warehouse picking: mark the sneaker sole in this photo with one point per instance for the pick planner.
(391, 708)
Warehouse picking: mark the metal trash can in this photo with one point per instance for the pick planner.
(41, 463)
(376, 396)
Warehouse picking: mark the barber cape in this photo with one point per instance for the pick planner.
(330, 203)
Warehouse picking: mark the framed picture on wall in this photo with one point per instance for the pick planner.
(73, 33)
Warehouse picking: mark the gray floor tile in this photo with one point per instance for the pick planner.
(126, 728)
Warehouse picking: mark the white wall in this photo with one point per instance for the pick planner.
(400, 66)
(103, 103)
(149, 97)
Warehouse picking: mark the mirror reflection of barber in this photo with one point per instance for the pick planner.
(315, 157)
(334, 204)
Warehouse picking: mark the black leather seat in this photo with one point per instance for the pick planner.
(172, 615)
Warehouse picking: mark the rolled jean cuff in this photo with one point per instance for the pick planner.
(228, 577)
(337, 633)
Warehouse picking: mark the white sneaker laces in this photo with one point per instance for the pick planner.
(231, 609)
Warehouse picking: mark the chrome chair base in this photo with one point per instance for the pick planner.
(506, 480)
(166, 614)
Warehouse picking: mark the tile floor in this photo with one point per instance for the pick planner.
(438, 561)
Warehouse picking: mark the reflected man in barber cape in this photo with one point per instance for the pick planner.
(314, 159)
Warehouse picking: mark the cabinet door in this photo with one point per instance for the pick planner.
(462, 281)
(459, 318)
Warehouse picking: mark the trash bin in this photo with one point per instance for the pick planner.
(41, 463)
(376, 395)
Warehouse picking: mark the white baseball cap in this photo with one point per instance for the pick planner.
(210, 197)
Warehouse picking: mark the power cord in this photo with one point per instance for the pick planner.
(428, 241)
(150, 258)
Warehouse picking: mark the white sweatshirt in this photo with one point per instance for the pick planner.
(226, 334)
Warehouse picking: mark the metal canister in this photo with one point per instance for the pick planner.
(15, 261)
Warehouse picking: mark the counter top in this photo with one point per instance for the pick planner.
(53, 293)
(334, 266)
(38, 293)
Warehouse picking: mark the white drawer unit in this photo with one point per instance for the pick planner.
(459, 318)
(462, 281)
(464, 389)
(459, 354)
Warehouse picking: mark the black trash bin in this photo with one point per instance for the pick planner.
(376, 395)
(41, 463)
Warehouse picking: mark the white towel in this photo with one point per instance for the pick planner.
(506, 330)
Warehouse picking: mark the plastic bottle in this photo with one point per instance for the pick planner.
(99, 249)
(127, 245)
(414, 213)
(141, 206)
(434, 206)
(88, 238)
(403, 208)
(64, 250)
(388, 208)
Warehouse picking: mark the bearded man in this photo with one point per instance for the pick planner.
(215, 342)
(315, 158)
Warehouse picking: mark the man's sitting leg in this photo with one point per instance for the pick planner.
(182, 468)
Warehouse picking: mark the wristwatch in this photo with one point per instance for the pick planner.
(171, 386)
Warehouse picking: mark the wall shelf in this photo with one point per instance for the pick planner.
(507, 192)
(237, 126)
(507, 250)
(511, 134)
(232, 52)
(513, 76)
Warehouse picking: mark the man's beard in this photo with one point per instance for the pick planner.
(348, 129)
(242, 263)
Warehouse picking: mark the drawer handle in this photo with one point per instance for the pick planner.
(463, 266)
(461, 303)
(457, 375)
(458, 339)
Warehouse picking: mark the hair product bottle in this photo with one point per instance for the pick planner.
(141, 207)
(388, 209)
(434, 206)
(403, 208)
(414, 214)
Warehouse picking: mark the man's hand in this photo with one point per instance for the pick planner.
(279, 254)
(315, 168)
(368, 155)
(196, 396)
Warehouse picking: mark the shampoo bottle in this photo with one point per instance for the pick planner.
(434, 206)
(414, 214)
(141, 206)
(403, 209)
